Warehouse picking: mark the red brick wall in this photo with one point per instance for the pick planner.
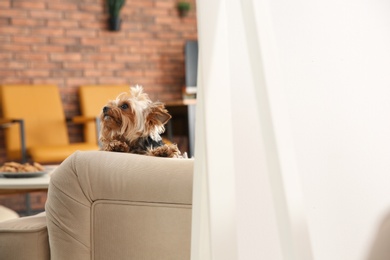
(67, 43)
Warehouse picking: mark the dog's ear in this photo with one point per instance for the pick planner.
(159, 113)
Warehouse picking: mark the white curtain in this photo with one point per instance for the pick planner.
(241, 210)
(293, 132)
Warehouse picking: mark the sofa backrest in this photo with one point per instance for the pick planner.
(108, 205)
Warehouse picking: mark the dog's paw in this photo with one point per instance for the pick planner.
(170, 151)
(118, 146)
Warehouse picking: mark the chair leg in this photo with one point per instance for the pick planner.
(22, 140)
(97, 122)
(28, 204)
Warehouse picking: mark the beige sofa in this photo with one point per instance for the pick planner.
(106, 205)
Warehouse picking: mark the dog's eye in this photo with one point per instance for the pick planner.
(124, 106)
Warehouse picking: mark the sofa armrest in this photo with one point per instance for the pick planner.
(81, 119)
(24, 238)
(86, 179)
(85, 121)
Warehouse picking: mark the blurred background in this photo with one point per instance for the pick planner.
(69, 43)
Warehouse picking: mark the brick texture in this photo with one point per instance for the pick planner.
(67, 43)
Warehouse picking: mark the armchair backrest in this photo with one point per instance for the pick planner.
(92, 100)
(41, 109)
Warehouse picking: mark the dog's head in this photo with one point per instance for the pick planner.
(132, 116)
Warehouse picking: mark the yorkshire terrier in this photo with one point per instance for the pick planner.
(132, 123)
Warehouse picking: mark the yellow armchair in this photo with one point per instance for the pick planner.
(37, 108)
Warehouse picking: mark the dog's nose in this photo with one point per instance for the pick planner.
(105, 109)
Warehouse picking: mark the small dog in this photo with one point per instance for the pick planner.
(132, 123)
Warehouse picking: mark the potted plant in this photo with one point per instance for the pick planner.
(114, 8)
(183, 8)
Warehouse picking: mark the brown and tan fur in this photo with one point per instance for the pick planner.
(132, 123)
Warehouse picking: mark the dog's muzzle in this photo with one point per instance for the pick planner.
(106, 115)
(105, 109)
